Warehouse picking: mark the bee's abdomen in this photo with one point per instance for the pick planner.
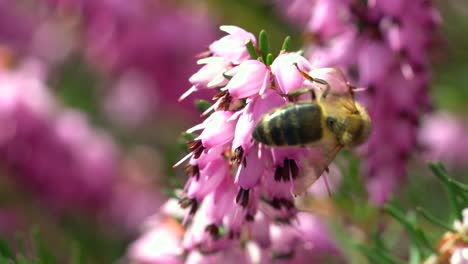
(292, 124)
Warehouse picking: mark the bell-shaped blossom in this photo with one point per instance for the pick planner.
(285, 70)
(232, 47)
(251, 77)
(161, 244)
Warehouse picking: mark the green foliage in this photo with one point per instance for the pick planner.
(420, 246)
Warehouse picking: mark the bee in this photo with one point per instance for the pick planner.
(330, 121)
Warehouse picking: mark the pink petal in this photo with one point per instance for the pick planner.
(251, 77)
(286, 74)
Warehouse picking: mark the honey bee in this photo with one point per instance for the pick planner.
(329, 121)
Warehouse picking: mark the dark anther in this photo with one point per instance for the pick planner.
(278, 173)
(192, 171)
(294, 169)
(196, 147)
(219, 95)
(225, 100)
(242, 197)
(238, 156)
(275, 203)
(213, 230)
(286, 169)
(187, 202)
(249, 218)
(283, 256)
(233, 235)
(288, 204)
(225, 103)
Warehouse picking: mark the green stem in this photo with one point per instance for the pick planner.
(433, 219)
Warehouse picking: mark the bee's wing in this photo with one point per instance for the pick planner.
(314, 166)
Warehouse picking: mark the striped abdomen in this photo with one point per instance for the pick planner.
(292, 124)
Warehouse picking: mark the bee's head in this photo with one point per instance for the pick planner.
(351, 130)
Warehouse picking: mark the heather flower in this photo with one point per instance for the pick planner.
(235, 183)
(27, 33)
(161, 244)
(37, 139)
(232, 47)
(384, 46)
(55, 154)
(165, 240)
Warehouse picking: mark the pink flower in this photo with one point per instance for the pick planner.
(232, 47)
(249, 78)
(264, 240)
(287, 76)
(234, 182)
(160, 245)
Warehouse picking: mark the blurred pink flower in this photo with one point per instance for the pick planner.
(159, 245)
(384, 46)
(156, 40)
(27, 33)
(56, 155)
(265, 240)
(445, 138)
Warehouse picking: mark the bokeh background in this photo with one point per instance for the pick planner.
(90, 124)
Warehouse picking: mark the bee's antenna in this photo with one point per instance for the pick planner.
(317, 80)
(326, 182)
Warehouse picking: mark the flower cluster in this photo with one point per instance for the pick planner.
(163, 242)
(239, 189)
(149, 44)
(25, 32)
(55, 154)
(384, 45)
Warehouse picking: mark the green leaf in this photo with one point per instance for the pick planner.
(77, 256)
(432, 219)
(439, 171)
(286, 44)
(5, 250)
(415, 255)
(43, 254)
(202, 105)
(269, 59)
(377, 256)
(251, 49)
(263, 44)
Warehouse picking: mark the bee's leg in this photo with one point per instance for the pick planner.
(292, 96)
(317, 80)
(327, 89)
